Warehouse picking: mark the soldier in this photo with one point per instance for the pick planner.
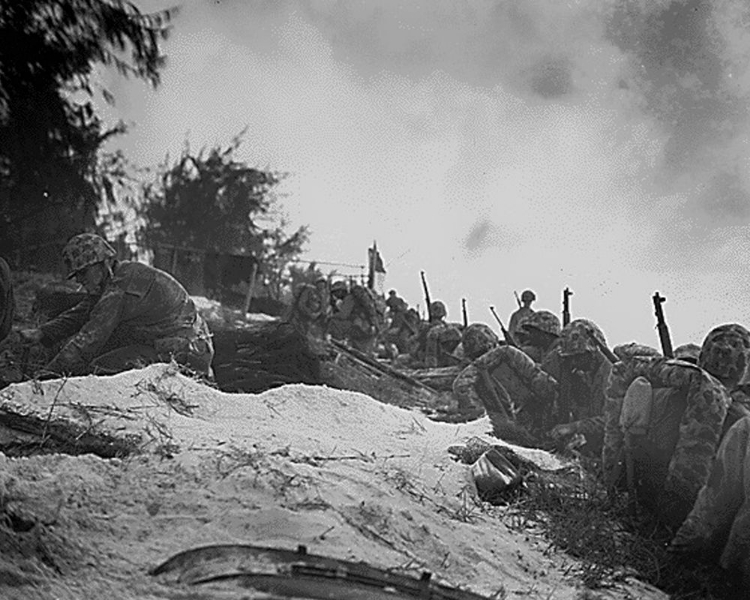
(403, 325)
(133, 315)
(310, 309)
(524, 311)
(338, 324)
(719, 522)
(395, 303)
(672, 415)
(568, 385)
(357, 318)
(540, 331)
(7, 301)
(592, 429)
(441, 338)
(477, 340)
(582, 371)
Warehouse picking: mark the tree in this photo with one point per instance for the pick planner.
(53, 175)
(212, 202)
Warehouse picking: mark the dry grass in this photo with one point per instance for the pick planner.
(610, 542)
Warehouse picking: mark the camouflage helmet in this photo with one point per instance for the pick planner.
(339, 286)
(84, 250)
(724, 352)
(688, 352)
(477, 339)
(575, 337)
(528, 296)
(632, 350)
(437, 310)
(542, 320)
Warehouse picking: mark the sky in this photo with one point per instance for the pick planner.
(600, 145)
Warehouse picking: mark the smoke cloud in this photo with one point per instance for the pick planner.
(596, 144)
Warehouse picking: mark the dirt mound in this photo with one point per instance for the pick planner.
(345, 475)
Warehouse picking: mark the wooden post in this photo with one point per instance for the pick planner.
(250, 287)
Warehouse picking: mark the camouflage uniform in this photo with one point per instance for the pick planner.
(359, 318)
(338, 324)
(441, 338)
(688, 414)
(720, 519)
(404, 326)
(7, 301)
(538, 346)
(142, 315)
(688, 353)
(517, 319)
(514, 390)
(535, 397)
(310, 310)
(581, 386)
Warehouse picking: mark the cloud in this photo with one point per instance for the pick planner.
(601, 144)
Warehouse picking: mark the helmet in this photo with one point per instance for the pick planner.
(688, 352)
(437, 310)
(339, 287)
(576, 337)
(542, 320)
(528, 296)
(84, 250)
(633, 349)
(724, 352)
(477, 339)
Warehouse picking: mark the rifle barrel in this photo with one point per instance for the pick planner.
(426, 295)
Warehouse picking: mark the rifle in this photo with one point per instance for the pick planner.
(463, 312)
(506, 334)
(518, 300)
(426, 295)
(661, 325)
(566, 306)
(611, 356)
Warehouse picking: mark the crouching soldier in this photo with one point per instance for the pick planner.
(133, 315)
(441, 339)
(665, 420)
(719, 523)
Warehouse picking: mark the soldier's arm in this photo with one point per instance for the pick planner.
(67, 323)
(539, 382)
(76, 355)
(465, 388)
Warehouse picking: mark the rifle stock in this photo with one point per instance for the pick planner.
(661, 325)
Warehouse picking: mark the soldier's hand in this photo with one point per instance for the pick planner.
(31, 336)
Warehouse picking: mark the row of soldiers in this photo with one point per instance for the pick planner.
(670, 431)
(383, 327)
